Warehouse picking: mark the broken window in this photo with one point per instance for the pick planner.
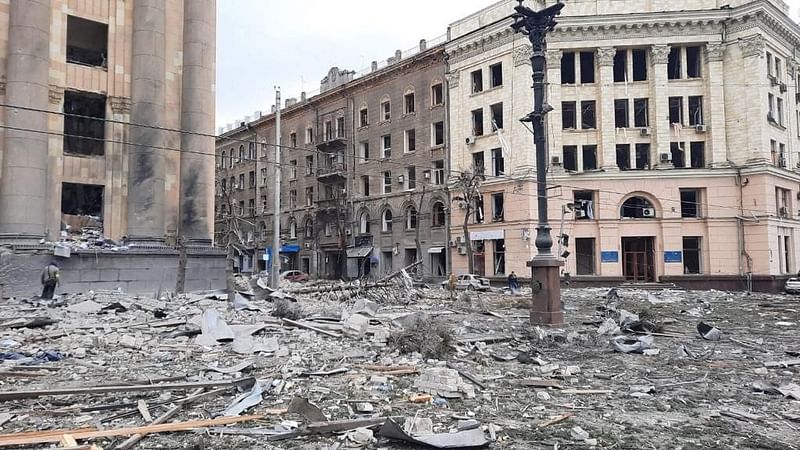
(621, 113)
(570, 157)
(499, 256)
(386, 221)
(497, 207)
(410, 140)
(779, 110)
(624, 156)
(694, 63)
(438, 133)
(477, 81)
(87, 42)
(309, 196)
(496, 73)
(293, 139)
(478, 210)
(365, 185)
(411, 218)
(82, 205)
(620, 66)
(568, 68)
(340, 127)
(409, 103)
(386, 143)
(252, 178)
(498, 162)
(478, 163)
(477, 122)
(677, 154)
(637, 208)
(640, 112)
(411, 177)
(583, 202)
(241, 182)
(674, 63)
(438, 171)
(363, 117)
(310, 165)
(569, 120)
(691, 254)
(696, 110)
(589, 157)
(588, 116)
(387, 182)
(676, 110)
(363, 223)
(642, 156)
(251, 207)
(697, 154)
(293, 198)
(386, 109)
(364, 151)
(496, 112)
(84, 123)
(690, 203)
(437, 94)
(639, 57)
(327, 130)
(587, 67)
(438, 215)
(309, 135)
(585, 256)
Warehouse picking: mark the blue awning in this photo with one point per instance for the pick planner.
(289, 248)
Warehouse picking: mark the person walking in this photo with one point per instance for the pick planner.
(512, 282)
(50, 276)
(451, 285)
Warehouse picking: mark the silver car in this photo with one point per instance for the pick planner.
(792, 286)
(470, 282)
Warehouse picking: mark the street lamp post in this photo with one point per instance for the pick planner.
(545, 267)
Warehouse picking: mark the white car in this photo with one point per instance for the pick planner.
(792, 286)
(470, 282)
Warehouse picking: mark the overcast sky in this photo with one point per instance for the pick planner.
(263, 43)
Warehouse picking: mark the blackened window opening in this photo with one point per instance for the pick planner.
(82, 199)
(674, 63)
(587, 67)
(620, 66)
(624, 156)
(84, 135)
(87, 42)
(568, 68)
(639, 64)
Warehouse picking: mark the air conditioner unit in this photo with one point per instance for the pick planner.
(426, 174)
(664, 157)
(700, 128)
(783, 211)
(648, 212)
(782, 87)
(644, 131)
(459, 240)
(401, 179)
(470, 140)
(555, 160)
(782, 162)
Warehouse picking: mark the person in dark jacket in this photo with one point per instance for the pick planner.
(512, 282)
(50, 276)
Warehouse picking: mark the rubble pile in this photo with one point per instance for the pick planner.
(207, 371)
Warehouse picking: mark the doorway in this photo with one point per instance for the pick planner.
(638, 259)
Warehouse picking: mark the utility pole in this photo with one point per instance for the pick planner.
(276, 211)
(545, 267)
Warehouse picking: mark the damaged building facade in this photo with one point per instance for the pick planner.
(673, 141)
(363, 185)
(74, 77)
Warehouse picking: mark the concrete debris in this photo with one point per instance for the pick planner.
(87, 307)
(788, 390)
(361, 436)
(444, 382)
(365, 307)
(578, 434)
(708, 332)
(473, 438)
(625, 344)
(609, 326)
(245, 401)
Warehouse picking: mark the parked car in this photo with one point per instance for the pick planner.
(294, 276)
(470, 282)
(792, 286)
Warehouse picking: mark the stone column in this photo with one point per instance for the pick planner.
(23, 186)
(659, 93)
(754, 100)
(714, 115)
(605, 110)
(146, 183)
(553, 122)
(197, 116)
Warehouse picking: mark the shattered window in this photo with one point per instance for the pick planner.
(84, 123)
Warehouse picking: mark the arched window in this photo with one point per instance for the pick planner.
(230, 159)
(637, 208)
(224, 185)
(241, 153)
(251, 151)
(438, 216)
(262, 230)
(411, 218)
(222, 162)
(363, 223)
(233, 184)
(386, 221)
(292, 229)
(409, 101)
(309, 228)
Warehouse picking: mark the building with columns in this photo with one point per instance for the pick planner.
(94, 96)
(74, 76)
(674, 141)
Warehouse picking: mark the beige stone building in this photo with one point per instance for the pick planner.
(674, 149)
(73, 75)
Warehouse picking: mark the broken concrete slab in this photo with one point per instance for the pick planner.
(473, 438)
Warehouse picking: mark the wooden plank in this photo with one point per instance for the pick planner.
(587, 391)
(531, 382)
(36, 437)
(310, 327)
(18, 395)
(133, 440)
(555, 420)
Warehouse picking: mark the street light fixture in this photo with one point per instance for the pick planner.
(545, 267)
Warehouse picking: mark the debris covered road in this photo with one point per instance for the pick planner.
(342, 368)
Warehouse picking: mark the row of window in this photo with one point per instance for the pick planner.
(679, 111)
(586, 255)
(683, 62)
(409, 142)
(636, 207)
(409, 105)
(637, 156)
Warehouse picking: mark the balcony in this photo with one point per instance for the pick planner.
(330, 203)
(331, 170)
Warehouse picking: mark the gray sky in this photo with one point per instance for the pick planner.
(263, 43)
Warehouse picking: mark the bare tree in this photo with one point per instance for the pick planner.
(231, 236)
(467, 189)
(420, 269)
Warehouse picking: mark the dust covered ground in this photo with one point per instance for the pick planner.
(692, 394)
